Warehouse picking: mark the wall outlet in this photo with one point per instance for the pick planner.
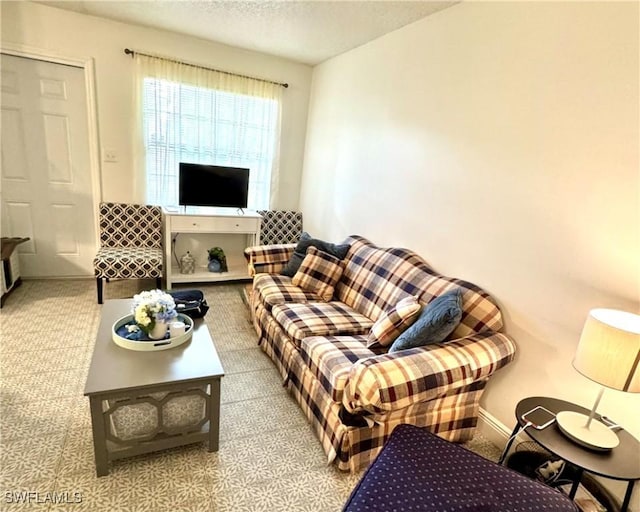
(109, 155)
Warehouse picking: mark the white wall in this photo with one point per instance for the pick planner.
(79, 36)
(500, 141)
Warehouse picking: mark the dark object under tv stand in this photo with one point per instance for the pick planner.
(10, 267)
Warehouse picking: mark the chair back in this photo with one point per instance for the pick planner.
(280, 227)
(130, 225)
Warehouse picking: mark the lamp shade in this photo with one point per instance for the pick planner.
(609, 349)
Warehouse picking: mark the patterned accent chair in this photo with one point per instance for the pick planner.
(130, 243)
(280, 227)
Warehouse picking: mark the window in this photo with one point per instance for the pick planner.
(189, 113)
(188, 123)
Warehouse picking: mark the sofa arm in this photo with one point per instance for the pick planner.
(269, 259)
(394, 381)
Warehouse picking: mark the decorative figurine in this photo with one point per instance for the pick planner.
(187, 264)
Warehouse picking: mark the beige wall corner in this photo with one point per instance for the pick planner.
(501, 141)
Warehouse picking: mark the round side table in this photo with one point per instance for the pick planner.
(621, 463)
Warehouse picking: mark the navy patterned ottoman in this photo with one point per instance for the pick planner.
(418, 471)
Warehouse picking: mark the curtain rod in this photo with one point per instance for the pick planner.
(131, 52)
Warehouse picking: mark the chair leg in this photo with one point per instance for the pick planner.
(159, 283)
(99, 285)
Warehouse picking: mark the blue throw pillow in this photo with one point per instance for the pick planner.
(437, 320)
(339, 251)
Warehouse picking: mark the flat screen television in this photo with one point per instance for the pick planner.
(213, 185)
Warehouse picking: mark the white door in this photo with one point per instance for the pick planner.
(46, 189)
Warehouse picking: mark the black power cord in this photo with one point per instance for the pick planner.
(173, 248)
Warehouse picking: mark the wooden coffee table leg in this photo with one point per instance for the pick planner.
(214, 416)
(99, 436)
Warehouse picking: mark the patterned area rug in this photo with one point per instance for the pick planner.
(269, 458)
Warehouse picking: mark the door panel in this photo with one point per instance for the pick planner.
(51, 88)
(14, 163)
(66, 242)
(56, 136)
(47, 191)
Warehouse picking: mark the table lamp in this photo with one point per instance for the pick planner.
(608, 353)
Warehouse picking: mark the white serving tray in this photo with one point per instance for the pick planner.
(150, 345)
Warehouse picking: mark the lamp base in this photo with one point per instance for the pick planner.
(597, 437)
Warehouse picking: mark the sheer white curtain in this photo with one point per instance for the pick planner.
(189, 114)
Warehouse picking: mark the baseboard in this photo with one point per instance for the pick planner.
(492, 428)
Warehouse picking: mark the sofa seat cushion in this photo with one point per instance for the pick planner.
(274, 289)
(330, 359)
(319, 319)
(128, 262)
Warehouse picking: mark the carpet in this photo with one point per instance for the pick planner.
(269, 458)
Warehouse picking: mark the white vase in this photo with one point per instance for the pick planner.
(159, 331)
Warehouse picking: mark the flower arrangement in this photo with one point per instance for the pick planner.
(151, 307)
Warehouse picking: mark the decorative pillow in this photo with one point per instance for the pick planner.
(394, 322)
(438, 319)
(306, 241)
(319, 273)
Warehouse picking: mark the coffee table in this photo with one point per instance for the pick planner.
(156, 383)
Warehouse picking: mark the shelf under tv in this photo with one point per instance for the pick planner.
(243, 228)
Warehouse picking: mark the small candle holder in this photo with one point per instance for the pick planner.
(176, 329)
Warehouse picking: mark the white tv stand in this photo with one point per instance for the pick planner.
(237, 232)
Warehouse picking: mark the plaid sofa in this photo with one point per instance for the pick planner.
(355, 396)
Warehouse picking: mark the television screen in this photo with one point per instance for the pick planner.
(213, 185)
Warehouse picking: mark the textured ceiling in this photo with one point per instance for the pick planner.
(308, 32)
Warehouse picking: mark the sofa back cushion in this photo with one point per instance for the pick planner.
(375, 279)
(274, 289)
